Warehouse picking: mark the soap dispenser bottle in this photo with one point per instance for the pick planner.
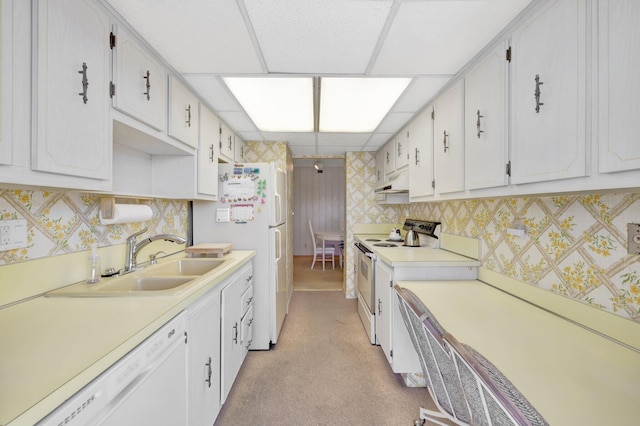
(94, 265)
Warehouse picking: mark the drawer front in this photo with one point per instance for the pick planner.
(247, 327)
(246, 300)
(247, 278)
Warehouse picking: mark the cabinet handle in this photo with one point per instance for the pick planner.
(249, 278)
(379, 307)
(537, 93)
(235, 336)
(188, 115)
(399, 149)
(478, 124)
(387, 157)
(85, 83)
(417, 157)
(445, 141)
(249, 344)
(229, 143)
(249, 300)
(211, 153)
(148, 85)
(250, 322)
(209, 372)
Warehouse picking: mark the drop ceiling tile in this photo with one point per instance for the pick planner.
(299, 150)
(343, 139)
(195, 36)
(238, 121)
(394, 121)
(419, 93)
(317, 36)
(213, 91)
(440, 37)
(295, 138)
(377, 140)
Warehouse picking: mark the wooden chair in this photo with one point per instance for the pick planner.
(318, 254)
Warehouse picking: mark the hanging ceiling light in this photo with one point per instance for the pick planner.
(318, 166)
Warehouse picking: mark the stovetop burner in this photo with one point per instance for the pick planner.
(372, 239)
(385, 245)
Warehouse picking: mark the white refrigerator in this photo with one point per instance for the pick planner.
(251, 213)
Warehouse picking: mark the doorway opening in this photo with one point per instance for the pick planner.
(319, 197)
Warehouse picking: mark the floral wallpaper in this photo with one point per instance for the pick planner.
(67, 222)
(574, 245)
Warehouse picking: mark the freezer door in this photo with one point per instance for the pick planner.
(279, 281)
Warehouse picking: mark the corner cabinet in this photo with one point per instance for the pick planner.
(448, 135)
(139, 81)
(548, 69)
(619, 85)
(203, 361)
(183, 113)
(71, 111)
(485, 135)
(421, 156)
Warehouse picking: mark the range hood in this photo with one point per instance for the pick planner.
(397, 183)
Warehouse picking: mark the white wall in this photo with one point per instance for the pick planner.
(319, 197)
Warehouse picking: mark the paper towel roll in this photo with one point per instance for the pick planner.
(127, 213)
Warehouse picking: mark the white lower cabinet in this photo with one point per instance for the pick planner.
(391, 331)
(231, 353)
(203, 339)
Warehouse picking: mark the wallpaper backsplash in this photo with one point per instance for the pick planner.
(575, 245)
(67, 222)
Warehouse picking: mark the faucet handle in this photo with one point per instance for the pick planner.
(133, 236)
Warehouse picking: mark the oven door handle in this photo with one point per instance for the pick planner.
(364, 250)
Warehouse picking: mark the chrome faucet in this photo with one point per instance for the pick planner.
(134, 247)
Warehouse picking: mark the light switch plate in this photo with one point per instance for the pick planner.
(13, 234)
(633, 238)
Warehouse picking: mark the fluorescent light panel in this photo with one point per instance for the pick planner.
(276, 104)
(348, 105)
(357, 105)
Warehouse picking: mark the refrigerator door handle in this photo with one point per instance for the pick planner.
(278, 235)
(278, 206)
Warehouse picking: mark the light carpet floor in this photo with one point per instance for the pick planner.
(322, 371)
(305, 278)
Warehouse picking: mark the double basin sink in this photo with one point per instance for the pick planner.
(168, 278)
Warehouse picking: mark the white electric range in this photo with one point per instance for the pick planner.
(370, 241)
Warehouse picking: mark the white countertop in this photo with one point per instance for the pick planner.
(414, 256)
(54, 346)
(571, 375)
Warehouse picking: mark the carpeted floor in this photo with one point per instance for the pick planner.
(322, 371)
(305, 278)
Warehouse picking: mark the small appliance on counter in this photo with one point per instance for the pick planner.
(415, 227)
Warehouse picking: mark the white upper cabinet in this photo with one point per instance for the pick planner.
(421, 156)
(485, 136)
(380, 160)
(389, 158)
(238, 149)
(226, 143)
(619, 85)
(183, 113)
(448, 140)
(208, 152)
(140, 82)
(71, 123)
(548, 93)
(402, 146)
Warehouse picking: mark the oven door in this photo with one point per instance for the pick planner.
(365, 277)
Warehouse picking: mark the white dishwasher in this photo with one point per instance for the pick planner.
(148, 386)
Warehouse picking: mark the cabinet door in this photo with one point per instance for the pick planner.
(402, 148)
(448, 140)
(380, 160)
(6, 82)
(226, 142)
(71, 123)
(389, 158)
(383, 279)
(230, 338)
(208, 152)
(485, 140)
(183, 113)
(548, 64)
(421, 151)
(238, 147)
(140, 82)
(619, 84)
(203, 328)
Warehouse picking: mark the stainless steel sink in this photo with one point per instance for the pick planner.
(168, 278)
